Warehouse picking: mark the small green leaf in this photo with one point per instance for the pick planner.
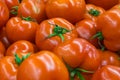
(17, 59)
(25, 57)
(83, 70)
(94, 12)
(80, 76)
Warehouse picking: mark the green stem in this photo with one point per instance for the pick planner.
(19, 60)
(14, 10)
(76, 72)
(102, 47)
(61, 36)
(28, 18)
(80, 76)
(98, 35)
(83, 70)
(94, 12)
(58, 31)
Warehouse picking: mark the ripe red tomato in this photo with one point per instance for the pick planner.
(4, 14)
(32, 8)
(20, 29)
(8, 68)
(43, 65)
(73, 10)
(2, 50)
(52, 32)
(79, 53)
(109, 58)
(92, 12)
(86, 28)
(109, 25)
(108, 72)
(21, 48)
(106, 4)
(11, 3)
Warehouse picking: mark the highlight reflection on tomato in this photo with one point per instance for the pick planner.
(4, 14)
(107, 72)
(71, 10)
(52, 32)
(44, 65)
(8, 68)
(21, 47)
(21, 29)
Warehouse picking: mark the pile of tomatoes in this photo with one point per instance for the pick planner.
(59, 40)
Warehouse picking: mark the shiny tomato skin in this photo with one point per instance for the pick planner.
(109, 58)
(4, 14)
(21, 47)
(46, 28)
(18, 29)
(108, 24)
(73, 10)
(2, 50)
(11, 3)
(8, 68)
(32, 8)
(86, 28)
(108, 72)
(106, 4)
(44, 65)
(93, 16)
(78, 53)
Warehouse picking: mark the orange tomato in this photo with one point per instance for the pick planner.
(71, 10)
(43, 65)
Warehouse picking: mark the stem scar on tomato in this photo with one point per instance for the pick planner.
(58, 31)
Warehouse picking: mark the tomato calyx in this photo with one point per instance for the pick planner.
(58, 31)
(28, 18)
(100, 38)
(14, 10)
(19, 60)
(77, 72)
(94, 12)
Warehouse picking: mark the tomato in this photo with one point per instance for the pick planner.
(32, 8)
(79, 53)
(52, 32)
(2, 50)
(107, 72)
(92, 12)
(20, 47)
(108, 24)
(73, 10)
(86, 28)
(20, 29)
(3, 38)
(106, 4)
(109, 58)
(8, 68)
(11, 3)
(4, 14)
(44, 65)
